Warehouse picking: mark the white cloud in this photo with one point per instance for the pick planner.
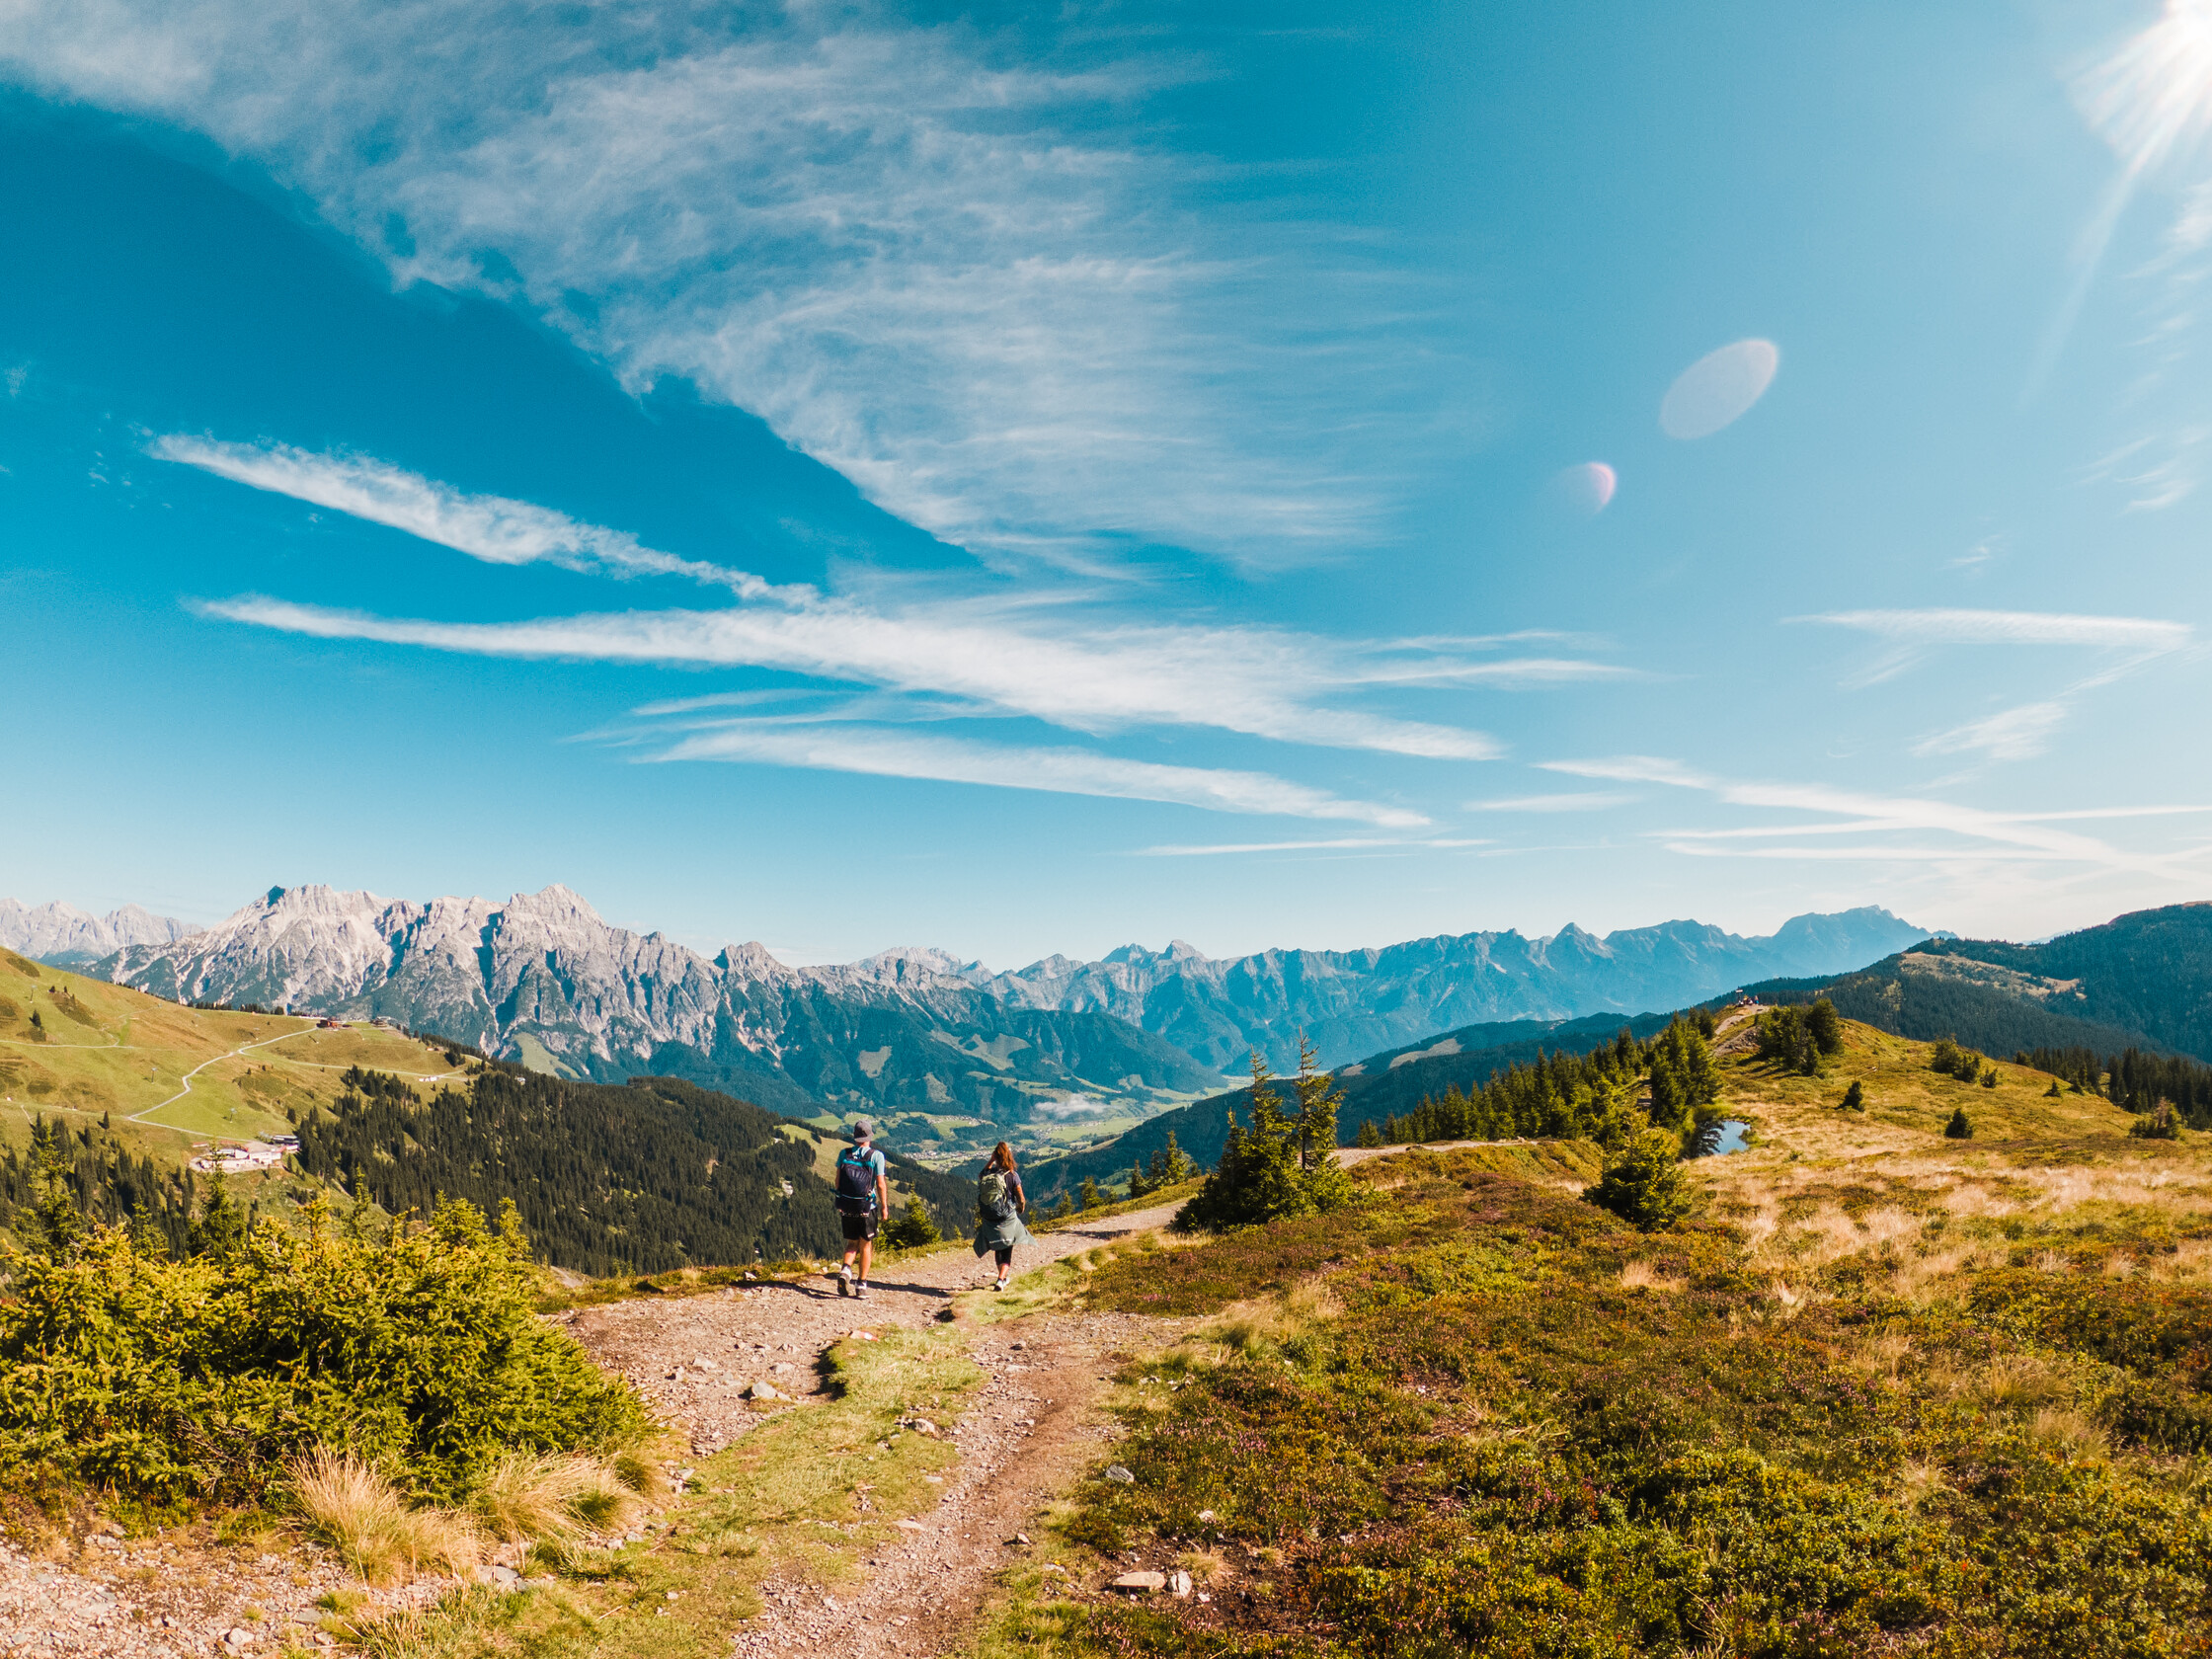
(488, 527)
(1341, 843)
(1591, 800)
(1037, 652)
(1988, 834)
(1246, 680)
(1064, 771)
(2010, 627)
(984, 293)
(2017, 734)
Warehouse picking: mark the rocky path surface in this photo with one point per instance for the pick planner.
(695, 1357)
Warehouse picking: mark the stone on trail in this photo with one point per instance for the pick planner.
(1180, 1584)
(1140, 1583)
(1115, 1472)
(911, 1526)
(764, 1392)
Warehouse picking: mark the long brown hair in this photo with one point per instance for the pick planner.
(1001, 1158)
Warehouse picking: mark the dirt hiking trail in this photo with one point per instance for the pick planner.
(1029, 1433)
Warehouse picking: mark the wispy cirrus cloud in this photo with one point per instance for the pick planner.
(492, 528)
(1979, 831)
(1250, 681)
(1933, 627)
(1586, 800)
(1065, 771)
(1345, 843)
(982, 291)
(2126, 643)
(2015, 733)
(1042, 652)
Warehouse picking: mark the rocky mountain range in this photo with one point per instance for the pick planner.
(69, 938)
(1354, 1004)
(544, 980)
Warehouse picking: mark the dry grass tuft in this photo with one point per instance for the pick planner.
(1642, 1276)
(361, 1514)
(2013, 1382)
(526, 1498)
(2070, 1430)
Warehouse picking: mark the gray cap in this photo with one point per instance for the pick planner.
(862, 1129)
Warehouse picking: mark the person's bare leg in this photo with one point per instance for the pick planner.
(867, 1249)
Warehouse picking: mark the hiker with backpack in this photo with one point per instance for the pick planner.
(863, 1197)
(1000, 1205)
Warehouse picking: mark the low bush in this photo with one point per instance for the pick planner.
(414, 1348)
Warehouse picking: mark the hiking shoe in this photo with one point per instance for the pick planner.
(1000, 1286)
(845, 1281)
(861, 1289)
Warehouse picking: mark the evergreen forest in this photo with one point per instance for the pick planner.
(607, 1178)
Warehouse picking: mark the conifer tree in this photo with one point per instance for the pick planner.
(1854, 1097)
(1369, 1135)
(1644, 1186)
(1092, 1198)
(1958, 1128)
(59, 1221)
(913, 1229)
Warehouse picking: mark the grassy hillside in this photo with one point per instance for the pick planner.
(1890, 1393)
(139, 1085)
(100, 1049)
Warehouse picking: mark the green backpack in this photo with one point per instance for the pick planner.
(995, 1198)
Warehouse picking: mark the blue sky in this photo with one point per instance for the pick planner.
(849, 476)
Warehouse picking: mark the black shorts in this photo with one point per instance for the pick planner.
(857, 1227)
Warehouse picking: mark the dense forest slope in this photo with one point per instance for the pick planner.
(1381, 1086)
(633, 1178)
(1938, 992)
(2148, 970)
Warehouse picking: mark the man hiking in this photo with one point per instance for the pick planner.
(864, 1198)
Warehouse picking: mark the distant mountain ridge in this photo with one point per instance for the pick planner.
(1354, 1004)
(543, 978)
(2141, 980)
(67, 937)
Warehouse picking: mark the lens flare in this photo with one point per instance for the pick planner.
(1587, 487)
(1718, 389)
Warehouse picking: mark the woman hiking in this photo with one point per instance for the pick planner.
(1000, 1205)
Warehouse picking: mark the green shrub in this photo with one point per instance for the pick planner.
(2157, 1124)
(1854, 1097)
(1644, 1186)
(197, 1379)
(1960, 1127)
(911, 1228)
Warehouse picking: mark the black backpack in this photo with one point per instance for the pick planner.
(856, 1181)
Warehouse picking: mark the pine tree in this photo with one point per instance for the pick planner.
(1258, 1177)
(1091, 1197)
(1369, 1135)
(1644, 1186)
(1958, 1128)
(1854, 1097)
(60, 1219)
(913, 1229)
